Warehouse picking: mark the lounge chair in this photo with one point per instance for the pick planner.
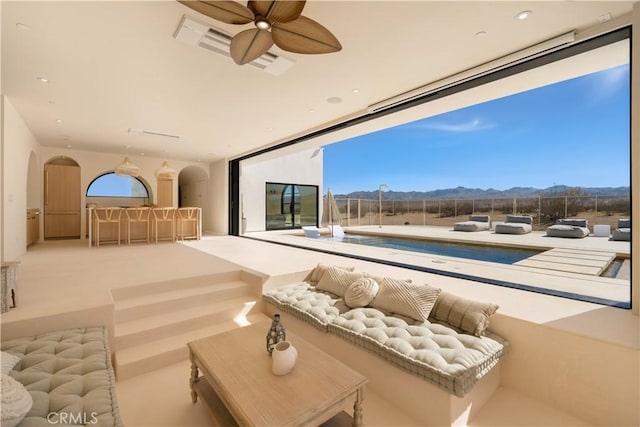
(572, 228)
(515, 224)
(475, 223)
(311, 231)
(336, 231)
(623, 232)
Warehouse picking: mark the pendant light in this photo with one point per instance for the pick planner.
(127, 168)
(165, 171)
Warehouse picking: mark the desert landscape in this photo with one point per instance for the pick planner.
(446, 212)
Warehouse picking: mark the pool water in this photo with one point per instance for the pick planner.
(497, 254)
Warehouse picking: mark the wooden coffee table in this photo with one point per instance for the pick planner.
(238, 387)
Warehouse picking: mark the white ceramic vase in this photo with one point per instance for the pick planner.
(284, 358)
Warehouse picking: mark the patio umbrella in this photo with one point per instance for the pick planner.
(330, 212)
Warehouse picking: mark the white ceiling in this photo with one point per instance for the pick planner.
(115, 65)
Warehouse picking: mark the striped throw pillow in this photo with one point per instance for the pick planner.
(401, 297)
(337, 281)
(470, 316)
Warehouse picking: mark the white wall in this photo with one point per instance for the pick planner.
(1, 153)
(304, 167)
(18, 144)
(216, 221)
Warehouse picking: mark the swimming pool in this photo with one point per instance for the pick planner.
(499, 254)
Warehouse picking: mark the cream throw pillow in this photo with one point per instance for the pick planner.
(470, 316)
(8, 361)
(16, 401)
(361, 292)
(402, 297)
(316, 274)
(337, 280)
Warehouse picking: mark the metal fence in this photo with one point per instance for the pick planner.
(445, 212)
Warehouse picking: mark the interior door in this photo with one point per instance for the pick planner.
(61, 202)
(165, 193)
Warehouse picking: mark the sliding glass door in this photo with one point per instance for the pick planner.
(290, 205)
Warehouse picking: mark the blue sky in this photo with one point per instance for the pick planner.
(572, 133)
(113, 185)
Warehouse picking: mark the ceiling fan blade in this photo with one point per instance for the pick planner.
(250, 44)
(277, 11)
(225, 10)
(304, 35)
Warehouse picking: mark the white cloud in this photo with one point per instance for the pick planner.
(610, 81)
(470, 126)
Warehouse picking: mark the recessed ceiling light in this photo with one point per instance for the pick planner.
(334, 100)
(311, 110)
(68, 145)
(604, 18)
(523, 15)
(481, 34)
(59, 120)
(42, 79)
(22, 26)
(355, 90)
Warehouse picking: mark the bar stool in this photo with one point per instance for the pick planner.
(188, 216)
(164, 215)
(137, 215)
(106, 216)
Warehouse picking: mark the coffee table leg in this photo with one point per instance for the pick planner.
(192, 381)
(357, 407)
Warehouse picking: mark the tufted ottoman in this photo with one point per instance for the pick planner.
(69, 376)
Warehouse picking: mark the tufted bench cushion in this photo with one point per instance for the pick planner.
(307, 303)
(69, 376)
(440, 353)
(450, 359)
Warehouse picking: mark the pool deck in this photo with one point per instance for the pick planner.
(581, 261)
(560, 280)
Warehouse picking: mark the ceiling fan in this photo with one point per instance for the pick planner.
(276, 21)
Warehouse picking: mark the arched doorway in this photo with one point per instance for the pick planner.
(192, 187)
(33, 200)
(62, 198)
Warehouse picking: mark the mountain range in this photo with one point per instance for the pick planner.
(476, 193)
